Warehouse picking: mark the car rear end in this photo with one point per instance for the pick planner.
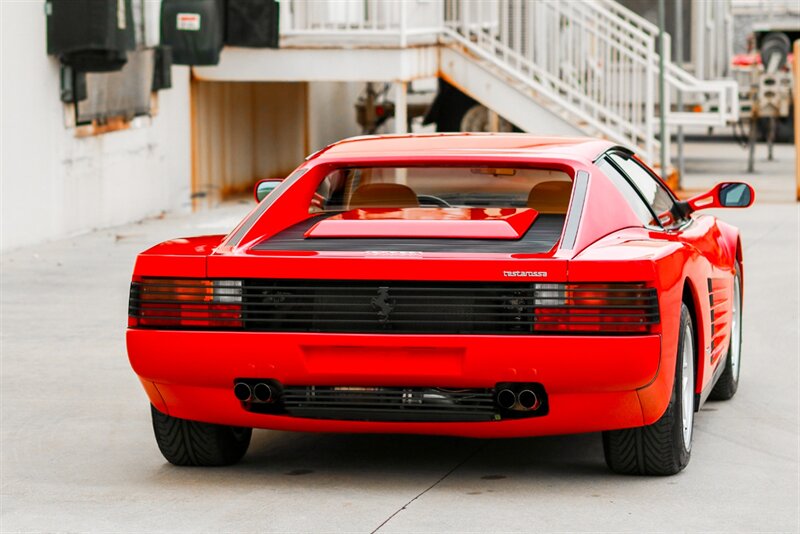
(467, 358)
(444, 315)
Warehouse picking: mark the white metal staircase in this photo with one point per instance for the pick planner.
(554, 66)
(592, 63)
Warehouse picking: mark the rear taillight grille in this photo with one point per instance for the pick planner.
(596, 308)
(158, 302)
(394, 306)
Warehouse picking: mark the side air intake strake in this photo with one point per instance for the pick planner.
(393, 307)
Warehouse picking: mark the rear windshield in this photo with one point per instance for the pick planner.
(545, 190)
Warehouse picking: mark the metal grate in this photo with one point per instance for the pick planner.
(389, 403)
(390, 307)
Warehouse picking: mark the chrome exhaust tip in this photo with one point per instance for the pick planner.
(528, 399)
(506, 398)
(262, 392)
(242, 391)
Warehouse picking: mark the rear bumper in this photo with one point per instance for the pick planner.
(593, 382)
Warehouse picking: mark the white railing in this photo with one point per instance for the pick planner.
(768, 9)
(718, 98)
(712, 39)
(596, 60)
(396, 20)
(593, 67)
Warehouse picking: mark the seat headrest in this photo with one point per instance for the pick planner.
(550, 197)
(384, 196)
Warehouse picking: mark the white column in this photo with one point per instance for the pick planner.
(286, 22)
(400, 108)
(404, 24)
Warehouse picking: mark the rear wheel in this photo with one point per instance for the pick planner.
(191, 443)
(728, 382)
(663, 448)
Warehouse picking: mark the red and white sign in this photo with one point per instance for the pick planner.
(188, 22)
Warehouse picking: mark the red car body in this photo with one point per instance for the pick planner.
(594, 381)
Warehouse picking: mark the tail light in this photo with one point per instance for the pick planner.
(595, 308)
(188, 302)
(546, 308)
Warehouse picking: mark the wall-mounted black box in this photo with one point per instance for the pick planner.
(193, 29)
(252, 23)
(90, 35)
(162, 68)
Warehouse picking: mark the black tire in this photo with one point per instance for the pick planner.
(190, 443)
(728, 382)
(659, 448)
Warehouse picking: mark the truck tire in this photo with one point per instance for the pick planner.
(191, 443)
(664, 447)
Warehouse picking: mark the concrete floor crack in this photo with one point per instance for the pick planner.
(467, 458)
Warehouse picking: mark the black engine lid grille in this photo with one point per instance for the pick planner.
(389, 307)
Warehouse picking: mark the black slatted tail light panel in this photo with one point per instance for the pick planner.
(186, 303)
(400, 307)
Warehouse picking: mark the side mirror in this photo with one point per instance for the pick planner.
(264, 187)
(724, 195)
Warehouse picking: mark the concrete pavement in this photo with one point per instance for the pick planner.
(78, 452)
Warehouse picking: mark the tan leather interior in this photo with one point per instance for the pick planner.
(384, 196)
(550, 197)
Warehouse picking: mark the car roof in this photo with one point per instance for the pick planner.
(465, 144)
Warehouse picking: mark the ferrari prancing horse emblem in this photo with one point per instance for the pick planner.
(382, 304)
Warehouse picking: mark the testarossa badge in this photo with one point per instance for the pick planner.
(525, 274)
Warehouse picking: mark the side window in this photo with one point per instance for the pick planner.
(329, 193)
(654, 193)
(624, 186)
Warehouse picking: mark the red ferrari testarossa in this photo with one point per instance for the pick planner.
(463, 284)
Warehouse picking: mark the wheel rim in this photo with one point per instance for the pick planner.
(736, 329)
(687, 386)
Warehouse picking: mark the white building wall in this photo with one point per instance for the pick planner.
(246, 131)
(332, 112)
(53, 184)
